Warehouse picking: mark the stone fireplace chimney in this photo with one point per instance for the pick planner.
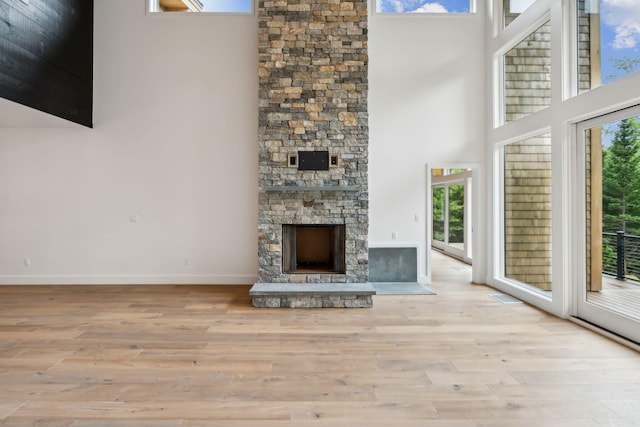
(313, 139)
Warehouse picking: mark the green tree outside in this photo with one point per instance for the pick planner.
(621, 192)
(438, 213)
(456, 214)
(621, 180)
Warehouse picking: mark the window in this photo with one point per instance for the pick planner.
(551, 266)
(527, 75)
(513, 8)
(215, 6)
(437, 172)
(608, 41)
(425, 6)
(527, 211)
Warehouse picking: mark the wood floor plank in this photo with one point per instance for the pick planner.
(7, 407)
(564, 422)
(538, 410)
(625, 409)
(343, 422)
(36, 422)
(191, 356)
(152, 410)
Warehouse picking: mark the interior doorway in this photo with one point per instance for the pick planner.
(470, 203)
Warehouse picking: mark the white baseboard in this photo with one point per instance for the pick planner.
(186, 279)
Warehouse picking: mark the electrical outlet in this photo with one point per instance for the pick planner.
(187, 261)
(394, 235)
(27, 262)
(134, 218)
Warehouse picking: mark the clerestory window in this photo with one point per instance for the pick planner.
(198, 6)
(608, 41)
(425, 6)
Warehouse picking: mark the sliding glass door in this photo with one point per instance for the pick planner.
(608, 292)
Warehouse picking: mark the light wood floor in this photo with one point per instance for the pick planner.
(192, 356)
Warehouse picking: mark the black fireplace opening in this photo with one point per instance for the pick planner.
(308, 249)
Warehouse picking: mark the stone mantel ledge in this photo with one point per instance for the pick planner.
(303, 188)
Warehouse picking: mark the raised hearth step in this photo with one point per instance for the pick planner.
(312, 295)
(313, 288)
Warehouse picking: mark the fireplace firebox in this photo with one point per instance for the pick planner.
(313, 249)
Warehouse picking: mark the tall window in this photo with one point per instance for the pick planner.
(527, 211)
(538, 226)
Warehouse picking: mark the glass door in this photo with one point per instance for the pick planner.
(451, 214)
(455, 217)
(438, 204)
(608, 291)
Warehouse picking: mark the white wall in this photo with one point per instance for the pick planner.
(427, 109)
(174, 142)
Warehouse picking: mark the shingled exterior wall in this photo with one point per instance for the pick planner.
(313, 85)
(528, 211)
(527, 164)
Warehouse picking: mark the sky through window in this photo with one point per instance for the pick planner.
(231, 6)
(620, 38)
(423, 6)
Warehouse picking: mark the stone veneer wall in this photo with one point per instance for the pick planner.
(313, 87)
